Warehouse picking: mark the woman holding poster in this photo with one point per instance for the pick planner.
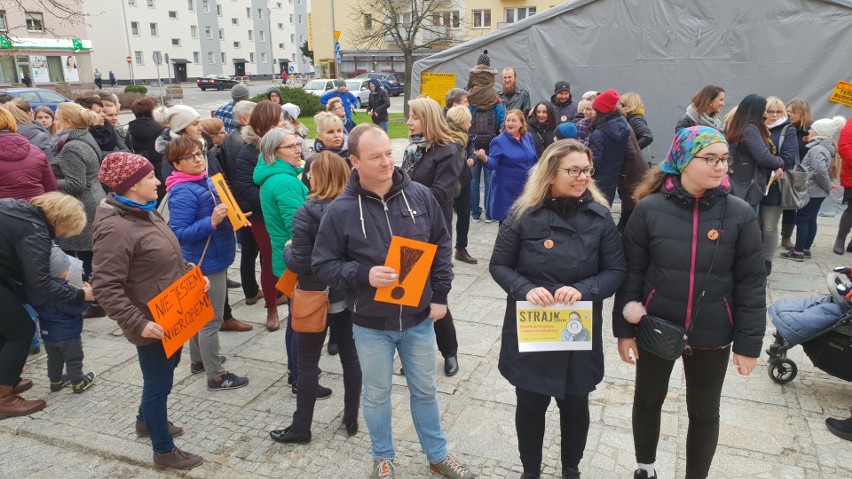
(136, 256)
(558, 245)
(694, 262)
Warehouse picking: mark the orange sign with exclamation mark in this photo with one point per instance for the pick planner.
(412, 261)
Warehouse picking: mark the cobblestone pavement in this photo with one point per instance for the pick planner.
(768, 431)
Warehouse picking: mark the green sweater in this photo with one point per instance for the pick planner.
(281, 194)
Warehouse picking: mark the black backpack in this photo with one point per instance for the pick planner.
(483, 128)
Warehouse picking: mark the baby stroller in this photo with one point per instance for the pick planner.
(821, 324)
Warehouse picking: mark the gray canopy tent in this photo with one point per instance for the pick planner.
(666, 50)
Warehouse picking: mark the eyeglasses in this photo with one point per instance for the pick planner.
(714, 161)
(197, 155)
(774, 112)
(338, 108)
(293, 147)
(576, 171)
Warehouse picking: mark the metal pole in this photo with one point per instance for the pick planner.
(127, 38)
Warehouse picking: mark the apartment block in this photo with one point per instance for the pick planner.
(255, 38)
(44, 46)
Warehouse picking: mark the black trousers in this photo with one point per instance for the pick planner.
(248, 260)
(309, 351)
(704, 371)
(529, 423)
(445, 336)
(462, 207)
(67, 355)
(16, 334)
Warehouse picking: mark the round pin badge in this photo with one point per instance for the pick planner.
(564, 118)
(548, 244)
(713, 234)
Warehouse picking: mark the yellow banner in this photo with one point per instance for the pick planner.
(554, 328)
(436, 85)
(842, 93)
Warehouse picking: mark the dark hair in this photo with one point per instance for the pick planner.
(356, 134)
(4, 97)
(143, 108)
(705, 96)
(265, 117)
(454, 96)
(751, 110)
(181, 147)
(601, 118)
(551, 116)
(88, 101)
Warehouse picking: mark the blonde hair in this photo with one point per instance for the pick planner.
(7, 121)
(325, 119)
(435, 128)
(583, 104)
(539, 182)
(212, 125)
(522, 117)
(332, 104)
(777, 102)
(108, 103)
(63, 210)
(75, 114)
(729, 117)
(459, 114)
(329, 175)
(630, 102)
(20, 114)
(803, 109)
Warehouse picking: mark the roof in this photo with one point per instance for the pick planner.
(240, 60)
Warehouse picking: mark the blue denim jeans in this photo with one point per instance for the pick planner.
(158, 373)
(806, 224)
(479, 170)
(383, 125)
(416, 348)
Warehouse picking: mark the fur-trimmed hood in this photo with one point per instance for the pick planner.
(250, 137)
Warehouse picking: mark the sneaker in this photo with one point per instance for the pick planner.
(643, 474)
(451, 467)
(177, 459)
(226, 382)
(83, 384)
(489, 219)
(56, 386)
(793, 255)
(476, 219)
(197, 367)
(383, 469)
(142, 429)
(807, 253)
(322, 392)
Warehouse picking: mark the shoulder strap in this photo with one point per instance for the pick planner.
(695, 311)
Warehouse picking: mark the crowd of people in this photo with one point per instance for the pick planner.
(136, 208)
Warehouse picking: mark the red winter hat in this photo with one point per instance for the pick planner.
(606, 102)
(121, 170)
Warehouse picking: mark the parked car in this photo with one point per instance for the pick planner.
(319, 86)
(38, 97)
(395, 83)
(216, 81)
(361, 90)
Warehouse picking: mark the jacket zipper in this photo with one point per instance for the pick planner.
(692, 262)
(390, 229)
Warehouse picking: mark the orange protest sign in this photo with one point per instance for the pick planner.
(412, 261)
(182, 310)
(287, 283)
(235, 214)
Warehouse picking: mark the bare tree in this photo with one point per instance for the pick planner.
(409, 26)
(66, 11)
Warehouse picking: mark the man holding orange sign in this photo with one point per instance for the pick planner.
(353, 245)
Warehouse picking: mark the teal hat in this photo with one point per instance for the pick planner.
(687, 142)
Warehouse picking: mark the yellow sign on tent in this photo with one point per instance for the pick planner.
(842, 93)
(435, 85)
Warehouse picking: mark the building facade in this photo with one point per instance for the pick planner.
(39, 45)
(254, 38)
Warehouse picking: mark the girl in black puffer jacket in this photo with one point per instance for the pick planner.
(694, 258)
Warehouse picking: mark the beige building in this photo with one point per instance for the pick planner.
(45, 48)
(255, 38)
(458, 19)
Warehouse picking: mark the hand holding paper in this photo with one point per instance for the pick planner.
(382, 276)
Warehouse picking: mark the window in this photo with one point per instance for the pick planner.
(235, 21)
(262, 37)
(223, 58)
(280, 26)
(35, 22)
(3, 26)
(446, 19)
(132, 3)
(138, 56)
(517, 14)
(221, 34)
(251, 32)
(219, 10)
(260, 14)
(293, 56)
(300, 19)
(175, 42)
(208, 33)
(151, 3)
(368, 22)
(210, 58)
(134, 29)
(196, 57)
(251, 57)
(262, 57)
(190, 6)
(278, 5)
(236, 44)
(248, 12)
(154, 30)
(292, 38)
(291, 19)
(173, 14)
(205, 6)
(280, 46)
(193, 31)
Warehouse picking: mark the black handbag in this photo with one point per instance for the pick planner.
(664, 338)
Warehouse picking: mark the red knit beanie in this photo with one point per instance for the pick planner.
(606, 102)
(121, 170)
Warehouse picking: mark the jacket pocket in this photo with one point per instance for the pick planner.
(728, 310)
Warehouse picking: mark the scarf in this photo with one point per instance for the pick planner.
(178, 177)
(687, 142)
(481, 92)
(704, 119)
(149, 206)
(106, 137)
(414, 153)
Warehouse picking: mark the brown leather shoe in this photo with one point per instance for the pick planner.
(254, 299)
(177, 459)
(13, 405)
(233, 284)
(142, 429)
(465, 257)
(272, 322)
(234, 324)
(22, 386)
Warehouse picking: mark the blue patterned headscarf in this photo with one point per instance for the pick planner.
(687, 142)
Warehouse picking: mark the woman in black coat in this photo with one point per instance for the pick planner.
(27, 231)
(144, 131)
(694, 258)
(558, 245)
(541, 123)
